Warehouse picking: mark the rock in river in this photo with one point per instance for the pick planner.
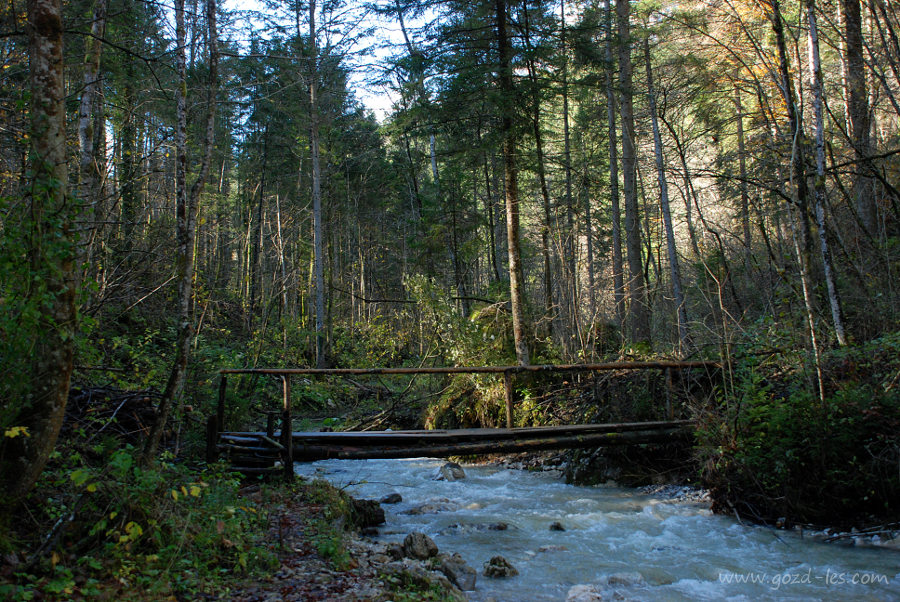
(366, 513)
(391, 498)
(584, 593)
(450, 471)
(498, 566)
(458, 572)
(420, 546)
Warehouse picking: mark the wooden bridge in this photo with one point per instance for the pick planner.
(261, 452)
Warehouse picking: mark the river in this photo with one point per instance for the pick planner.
(621, 541)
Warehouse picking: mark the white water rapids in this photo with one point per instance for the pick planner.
(680, 550)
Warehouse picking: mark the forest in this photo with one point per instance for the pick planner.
(192, 186)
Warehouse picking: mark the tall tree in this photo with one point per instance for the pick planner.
(615, 211)
(318, 246)
(50, 253)
(815, 80)
(638, 309)
(507, 90)
(858, 113)
(89, 176)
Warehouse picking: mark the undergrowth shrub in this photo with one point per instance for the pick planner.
(778, 451)
(164, 530)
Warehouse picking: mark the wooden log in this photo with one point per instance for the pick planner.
(287, 430)
(241, 437)
(249, 448)
(317, 452)
(508, 393)
(461, 435)
(267, 438)
(658, 365)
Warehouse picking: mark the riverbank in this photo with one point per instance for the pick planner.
(321, 555)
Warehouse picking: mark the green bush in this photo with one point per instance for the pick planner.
(163, 530)
(779, 451)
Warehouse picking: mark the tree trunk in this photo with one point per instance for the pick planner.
(638, 311)
(616, 217)
(508, 92)
(187, 203)
(815, 77)
(541, 176)
(492, 227)
(674, 269)
(858, 114)
(800, 190)
(89, 176)
(742, 167)
(50, 252)
(128, 151)
(568, 250)
(316, 190)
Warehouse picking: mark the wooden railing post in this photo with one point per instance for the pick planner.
(287, 430)
(670, 411)
(508, 389)
(220, 408)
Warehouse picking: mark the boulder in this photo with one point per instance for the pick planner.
(418, 578)
(557, 526)
(458, 572)
(450, 471)
(420, 546)
(584, 593)
(366, 513)
(391, 498)
(498, 566)
(394, 550)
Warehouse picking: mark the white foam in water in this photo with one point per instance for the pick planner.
(680, 550)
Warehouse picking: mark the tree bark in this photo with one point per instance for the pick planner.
(616, 217)
(50, 244)
(858, 115)
(815, 77)
(88, 168)
(742, 167)
(638, 311)
(568, 249)
(318, 247)
(128, 158)
(510, 173)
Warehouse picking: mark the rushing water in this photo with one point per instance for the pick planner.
(619, 540)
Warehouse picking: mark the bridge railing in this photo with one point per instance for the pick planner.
(216, 424)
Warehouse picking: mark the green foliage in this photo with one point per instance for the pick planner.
(329, 543)
(164, 530)
(780, 451)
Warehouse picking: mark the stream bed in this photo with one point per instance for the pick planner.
(625, 543)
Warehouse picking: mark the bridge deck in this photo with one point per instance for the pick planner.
(308, 446)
